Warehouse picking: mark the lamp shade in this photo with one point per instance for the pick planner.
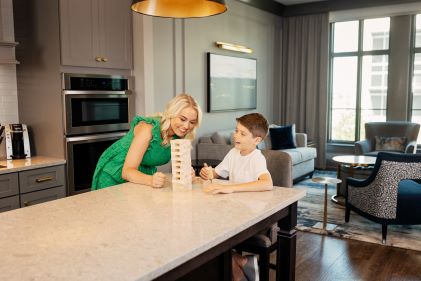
(179, 8)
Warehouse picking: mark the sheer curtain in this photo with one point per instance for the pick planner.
(304, 78)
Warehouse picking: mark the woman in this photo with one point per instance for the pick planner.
(135, 156)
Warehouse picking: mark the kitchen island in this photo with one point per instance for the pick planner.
(134, 232)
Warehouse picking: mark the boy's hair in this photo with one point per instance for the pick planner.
(173, 108)
(256, 123)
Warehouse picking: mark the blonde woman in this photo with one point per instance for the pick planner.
(135, 156)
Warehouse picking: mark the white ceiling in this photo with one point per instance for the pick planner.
(293, 2)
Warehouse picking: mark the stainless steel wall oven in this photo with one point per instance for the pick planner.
(97, 112)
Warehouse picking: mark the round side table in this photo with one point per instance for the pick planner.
(326, 181)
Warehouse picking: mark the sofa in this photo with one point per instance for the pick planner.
(300, 159)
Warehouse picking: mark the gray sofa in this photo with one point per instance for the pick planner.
(301, 158)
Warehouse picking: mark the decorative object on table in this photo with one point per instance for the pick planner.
(326, 181)
(17, 142)
(397, 136)
(358, 228)
(181, 164)
(179, 8)
(1, 133)
(392, 193)
(231, 83)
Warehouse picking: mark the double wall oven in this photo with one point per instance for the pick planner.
(97, 112)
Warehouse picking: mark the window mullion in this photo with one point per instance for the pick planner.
(359, 81)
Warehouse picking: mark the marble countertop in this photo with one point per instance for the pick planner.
(126, 232)
(10, 166)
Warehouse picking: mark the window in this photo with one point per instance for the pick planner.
(359, 59)
(416, 75)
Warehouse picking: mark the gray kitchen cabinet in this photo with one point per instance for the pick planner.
(9, 185)
(30, 187)
(96, 33)
(9, 203)
(32, 198)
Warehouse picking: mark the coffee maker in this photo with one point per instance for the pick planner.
(17, 141)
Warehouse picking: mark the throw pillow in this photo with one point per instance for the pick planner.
(391, 143)
(282, 137)
(218, 139)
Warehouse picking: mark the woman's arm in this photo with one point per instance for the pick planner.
(263, 183)
(138, 147)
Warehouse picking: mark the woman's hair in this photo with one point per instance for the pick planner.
(173, 109)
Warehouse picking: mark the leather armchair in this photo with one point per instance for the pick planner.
(387, 129)
(391, 194)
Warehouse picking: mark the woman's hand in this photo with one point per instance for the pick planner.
(218, 188)
(158, 180)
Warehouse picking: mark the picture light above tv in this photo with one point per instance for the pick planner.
(232, 83)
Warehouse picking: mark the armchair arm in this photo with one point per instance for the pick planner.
(279, 164)
(411, 147)
(362, 147)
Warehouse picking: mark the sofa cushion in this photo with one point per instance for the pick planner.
(282, 137)
(218, 139)
(226, 135)
(301, 154)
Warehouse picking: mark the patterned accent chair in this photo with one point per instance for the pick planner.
(377, 133)
(391, 194)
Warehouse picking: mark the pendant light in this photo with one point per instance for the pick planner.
(179, 8)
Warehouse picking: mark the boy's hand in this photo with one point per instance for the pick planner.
(206, 172)
(218, 188)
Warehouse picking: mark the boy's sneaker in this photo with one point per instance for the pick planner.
(251, 268)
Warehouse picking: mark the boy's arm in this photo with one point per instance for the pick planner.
(263, 183)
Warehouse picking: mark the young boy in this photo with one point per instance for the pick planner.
(246, 168)
(244, 164)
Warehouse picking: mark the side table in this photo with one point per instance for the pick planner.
(325, 180)
(352, 161)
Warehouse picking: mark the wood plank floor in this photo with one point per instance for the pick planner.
(328, 258)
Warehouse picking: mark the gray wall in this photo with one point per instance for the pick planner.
(170, 57)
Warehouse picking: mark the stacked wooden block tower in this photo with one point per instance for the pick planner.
(181, 164)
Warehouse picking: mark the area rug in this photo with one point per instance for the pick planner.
(310, 211)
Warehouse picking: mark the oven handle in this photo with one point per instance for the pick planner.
(89, 138)
(92, 92)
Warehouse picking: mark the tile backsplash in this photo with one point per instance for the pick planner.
(8, 99)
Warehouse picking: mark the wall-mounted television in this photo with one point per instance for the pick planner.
(232, 83)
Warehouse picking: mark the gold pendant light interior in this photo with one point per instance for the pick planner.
(179, 8)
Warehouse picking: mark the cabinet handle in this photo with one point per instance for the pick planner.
(98, 59)
(43, 179)
(26, 203)
(104, 59)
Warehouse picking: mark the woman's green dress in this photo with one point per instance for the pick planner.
(110, 164)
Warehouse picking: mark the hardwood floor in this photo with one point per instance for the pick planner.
(328, 258)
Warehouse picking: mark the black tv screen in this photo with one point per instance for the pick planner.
(232, 83)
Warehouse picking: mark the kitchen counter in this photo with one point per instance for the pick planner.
(128, 231)
(18, 165)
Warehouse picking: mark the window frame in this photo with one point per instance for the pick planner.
(360, 53)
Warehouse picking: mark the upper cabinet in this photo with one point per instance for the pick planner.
(96, 33)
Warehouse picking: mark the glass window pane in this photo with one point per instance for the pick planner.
(344, 82)
(376, 34)
(416, 118)
(416, 82)
(418, 31)
(345, 36)
(374, 82)
(370, 115)
(343, 124)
